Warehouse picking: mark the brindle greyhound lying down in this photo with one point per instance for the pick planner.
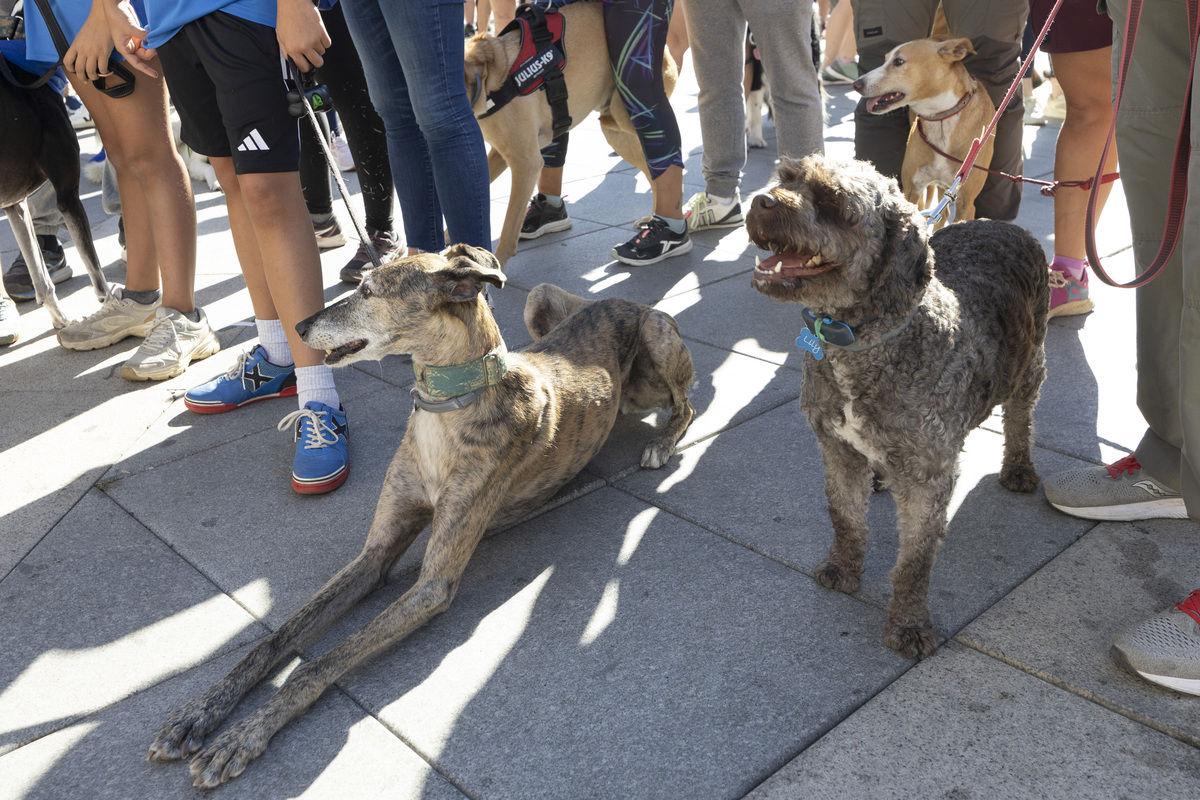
(494, 435)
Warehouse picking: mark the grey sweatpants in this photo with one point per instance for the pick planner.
(783, 32)
(1168, 308)
(994, 28)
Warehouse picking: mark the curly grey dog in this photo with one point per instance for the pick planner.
(494, 435)
(914, 340)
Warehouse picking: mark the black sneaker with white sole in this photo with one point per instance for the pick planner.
(653, 243)
(543, 217)
(17, 280)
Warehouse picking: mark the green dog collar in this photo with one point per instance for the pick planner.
(443, 383)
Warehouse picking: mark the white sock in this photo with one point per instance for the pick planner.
(718, 200)
(316, 383)
(274, 341)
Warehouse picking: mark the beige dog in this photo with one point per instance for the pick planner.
(519, 131)
(493, 437)
(950, 108)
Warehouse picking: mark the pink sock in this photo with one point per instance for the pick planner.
(1075, 267)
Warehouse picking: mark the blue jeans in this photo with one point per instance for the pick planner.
(412, 52)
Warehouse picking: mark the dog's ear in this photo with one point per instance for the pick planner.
(474, 86)
(956, 49)
(469, 269)
(905, 267)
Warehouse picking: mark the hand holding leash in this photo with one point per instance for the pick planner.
(301, 33)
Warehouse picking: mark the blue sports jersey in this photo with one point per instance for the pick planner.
(166, 17)
(71, 14)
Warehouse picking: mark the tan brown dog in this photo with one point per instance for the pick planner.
(948, 106)
(519, 130)
(493, 437)
(906, 360)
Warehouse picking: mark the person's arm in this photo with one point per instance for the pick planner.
(301, 33)
(128, 35)
(88, 54)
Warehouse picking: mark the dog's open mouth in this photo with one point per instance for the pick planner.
(789, 265)
(884, 102)
(349, 348)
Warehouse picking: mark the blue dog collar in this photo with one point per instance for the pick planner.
(834, 332)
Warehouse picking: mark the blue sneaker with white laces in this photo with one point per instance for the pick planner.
(322, 461)
(251, 379)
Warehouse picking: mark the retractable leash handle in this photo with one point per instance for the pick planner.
(331, 162)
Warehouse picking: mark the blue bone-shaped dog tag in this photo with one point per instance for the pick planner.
(809, 341)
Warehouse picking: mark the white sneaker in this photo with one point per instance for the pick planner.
(172, 343)
(118, 317)
(341, 153)
(702, 213)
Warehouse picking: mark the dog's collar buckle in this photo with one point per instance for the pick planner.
(839, 334)
(448, 388)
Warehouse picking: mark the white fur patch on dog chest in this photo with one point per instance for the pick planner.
(854, 433)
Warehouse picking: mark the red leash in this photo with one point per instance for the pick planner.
(1178, 196)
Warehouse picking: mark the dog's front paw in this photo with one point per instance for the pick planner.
(831, 576)
(184, 732)
(911, 642)
(657, 453)
(755, 141)
(1021, 478)
(229, 754)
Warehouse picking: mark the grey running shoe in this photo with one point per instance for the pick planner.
(837, 72)
(174, 342)
(1118, 492)
(387, 247)
(702, 213)
(1165, 649)
(329, 234)
(543, 217)
(17, 280)
(10, 322)
(119, 316)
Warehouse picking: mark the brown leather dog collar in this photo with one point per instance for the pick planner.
(957, 107)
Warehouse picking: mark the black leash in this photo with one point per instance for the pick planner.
(305, 101)
(62, 46)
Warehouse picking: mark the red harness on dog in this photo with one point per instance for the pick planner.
(538, 64)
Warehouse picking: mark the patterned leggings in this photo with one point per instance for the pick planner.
(636, 31)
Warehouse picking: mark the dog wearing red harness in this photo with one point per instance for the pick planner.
(543, 75)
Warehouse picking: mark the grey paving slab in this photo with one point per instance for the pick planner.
(762, 484)
(97, 612)
(53, 446)
(962, 725)
(577, 659)
(334, 751)
(255, 531)
(729, 389)
(1061, 622)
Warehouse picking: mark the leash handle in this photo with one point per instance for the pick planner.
(1177, 199)
(62, 46)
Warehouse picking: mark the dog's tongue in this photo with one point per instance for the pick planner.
(871, 103)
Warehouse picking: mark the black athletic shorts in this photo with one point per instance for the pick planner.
(227, 78)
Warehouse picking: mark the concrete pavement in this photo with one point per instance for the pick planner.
(653, 634)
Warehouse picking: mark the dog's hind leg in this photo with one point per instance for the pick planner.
(394, 528)
(22, 227)
(459, 522)
(1018, 474)
(848, 481)
(663, 361)
(921, 510)
(81, 233)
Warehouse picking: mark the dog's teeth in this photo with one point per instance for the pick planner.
(779, 267)
(816, 260)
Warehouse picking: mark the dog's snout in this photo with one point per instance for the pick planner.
(303, 326)
(765, 201)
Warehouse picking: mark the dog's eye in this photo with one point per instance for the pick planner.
(365, 291)
(898, 62)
